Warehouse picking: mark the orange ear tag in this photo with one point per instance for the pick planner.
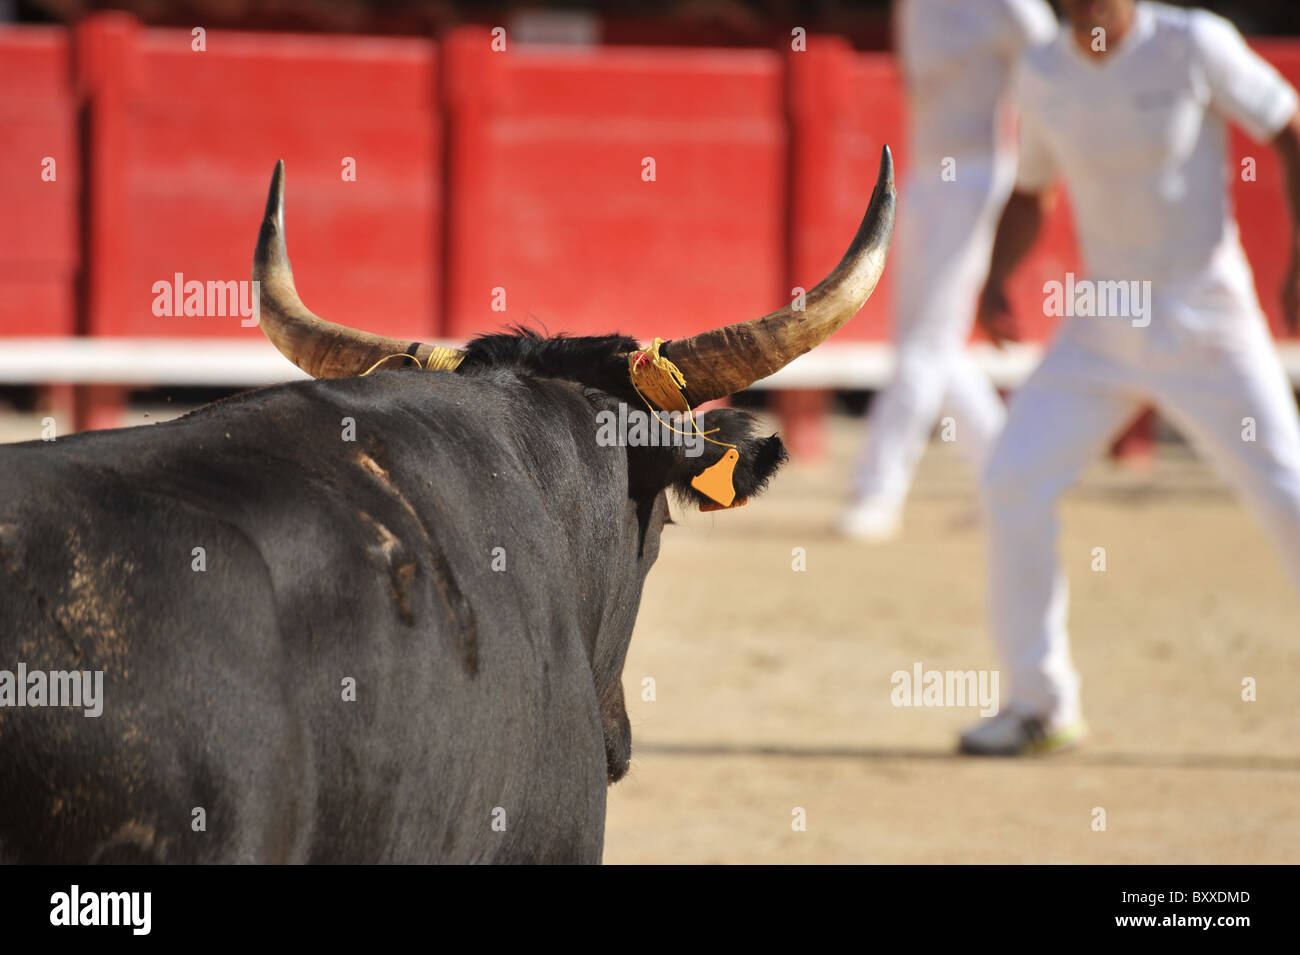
(715, 481)
(710, 506)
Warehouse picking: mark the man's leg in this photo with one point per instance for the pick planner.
(977, 409)
(901, 419)
(1233, 400)
(929, 379)
(940, 262)
(1062, 419)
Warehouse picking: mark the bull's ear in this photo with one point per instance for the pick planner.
(734, 456)
(681, 463)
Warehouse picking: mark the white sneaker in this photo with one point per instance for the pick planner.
(1011, 734)
(872, 520)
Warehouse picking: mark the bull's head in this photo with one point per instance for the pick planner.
(715, 364)
(676, 376)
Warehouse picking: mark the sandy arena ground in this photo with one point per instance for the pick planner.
(772, 687)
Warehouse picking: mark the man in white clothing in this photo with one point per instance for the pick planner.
(1129, 108)
(957, 57)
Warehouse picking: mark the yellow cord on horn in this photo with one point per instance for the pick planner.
(440, 359)
(443, 359)
(400, 354)
(665, 381)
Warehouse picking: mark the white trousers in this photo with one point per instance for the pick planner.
(940, 261)
(1211, 369)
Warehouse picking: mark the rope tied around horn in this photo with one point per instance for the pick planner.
(440, 358)
(653, 375)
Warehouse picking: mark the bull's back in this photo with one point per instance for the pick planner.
(171, 614)
(302, 661)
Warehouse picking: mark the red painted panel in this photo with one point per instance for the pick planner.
(844, 108)
(202, 132)
(556, 211)
(39, 243)
(763, 165)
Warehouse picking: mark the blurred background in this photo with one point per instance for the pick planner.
(646, 168)
(682, 23)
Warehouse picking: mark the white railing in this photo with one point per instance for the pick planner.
(237, 363)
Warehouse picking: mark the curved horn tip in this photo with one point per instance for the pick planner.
(275, 195)
(886, 175)
(270, 252)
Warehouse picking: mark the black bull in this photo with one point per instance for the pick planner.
(370, 618)
(473, 560)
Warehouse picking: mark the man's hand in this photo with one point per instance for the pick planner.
(1022, 217)
(1287, 144)
(1291, 295)
(995, 315)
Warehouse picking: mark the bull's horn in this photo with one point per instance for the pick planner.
(320, 348)
(729, 359)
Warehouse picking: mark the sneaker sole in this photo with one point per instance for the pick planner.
(1063, 740)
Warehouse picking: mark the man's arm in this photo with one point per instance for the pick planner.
(1247, 90)
(1018, 229)
(1287, 144)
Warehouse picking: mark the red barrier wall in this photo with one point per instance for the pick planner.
(844, 107)
(552, 201)
(183, 153)
(476, 170)
(39, 242)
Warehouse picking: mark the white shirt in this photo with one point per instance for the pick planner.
(957, 58)
(1140, 139)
